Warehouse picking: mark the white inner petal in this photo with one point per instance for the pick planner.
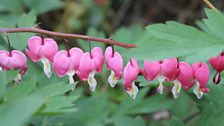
(47, 67)
(112, 79)
(197, 91)
(92, 81)
(133, 91)
(176, 88)
(0, 68)
(160, 88)
(18, 78)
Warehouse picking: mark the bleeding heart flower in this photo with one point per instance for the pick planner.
(42, 50)
(201, 75)
(184, 79)
(114, 62)
(91, 63)
(218, 64)
(130, 75)
(13, 60)
(161, 70)
(67, 63)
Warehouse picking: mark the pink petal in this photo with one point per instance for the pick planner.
(169, 68)
(186, 75)
(87, 65)
(130, 73)
(49, 49)
(116, 64)
(201, 74)
(75, 57)
(61, 63)
(152, 69)
(32, 56)
(97, 55)
(108, 54)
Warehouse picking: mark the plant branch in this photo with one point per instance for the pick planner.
(210, 4)
(67, 35)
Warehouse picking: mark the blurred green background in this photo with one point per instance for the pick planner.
(40, 101)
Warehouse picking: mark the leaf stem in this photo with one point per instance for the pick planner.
(67, 35)
(210, 4)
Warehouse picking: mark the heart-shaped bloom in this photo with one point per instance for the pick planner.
(130, 75)
(13, 60)
(42, 50)
(161, 70)
(67, 63)
(91, 63)
(218, 64)
(201, 75)
(114, 62)
(184, 79)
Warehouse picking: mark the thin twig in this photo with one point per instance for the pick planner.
(210, 4)
(67, 35)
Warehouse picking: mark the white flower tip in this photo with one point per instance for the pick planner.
(160, 88)
(0, 68)
(176, 89)
(18, 78)
(197, 91)
(92, 83)
(112, 79)
(133, 91)
(47, 69)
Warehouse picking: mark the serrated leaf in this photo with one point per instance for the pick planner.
(54, 89)
(60, 104)
(17, 112)
(22, 89)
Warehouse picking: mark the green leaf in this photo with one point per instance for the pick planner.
(17, 112)
(54, 89)
(174, 121)
(19, 40)
(6, 77)
(174, 40)
(215, 22)
(43, 6)
(60, 104)
(22, 89)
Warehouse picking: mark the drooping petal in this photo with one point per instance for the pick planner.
(133, 91)
(130, 74)
(152, 69)
(34, 45)
(49, 49)
(92, 81)
(115, 63)
(176, 88)
(32, 56)
(108, 55)
(97, 55)
(61, 63)
(112, 79)
(75, 57)
(201, 74)
(47, 67)
(87, 65)
(186, 75)
(169, 69)
(197, 91)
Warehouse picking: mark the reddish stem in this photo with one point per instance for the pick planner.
(9, 46)
(67, 35)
